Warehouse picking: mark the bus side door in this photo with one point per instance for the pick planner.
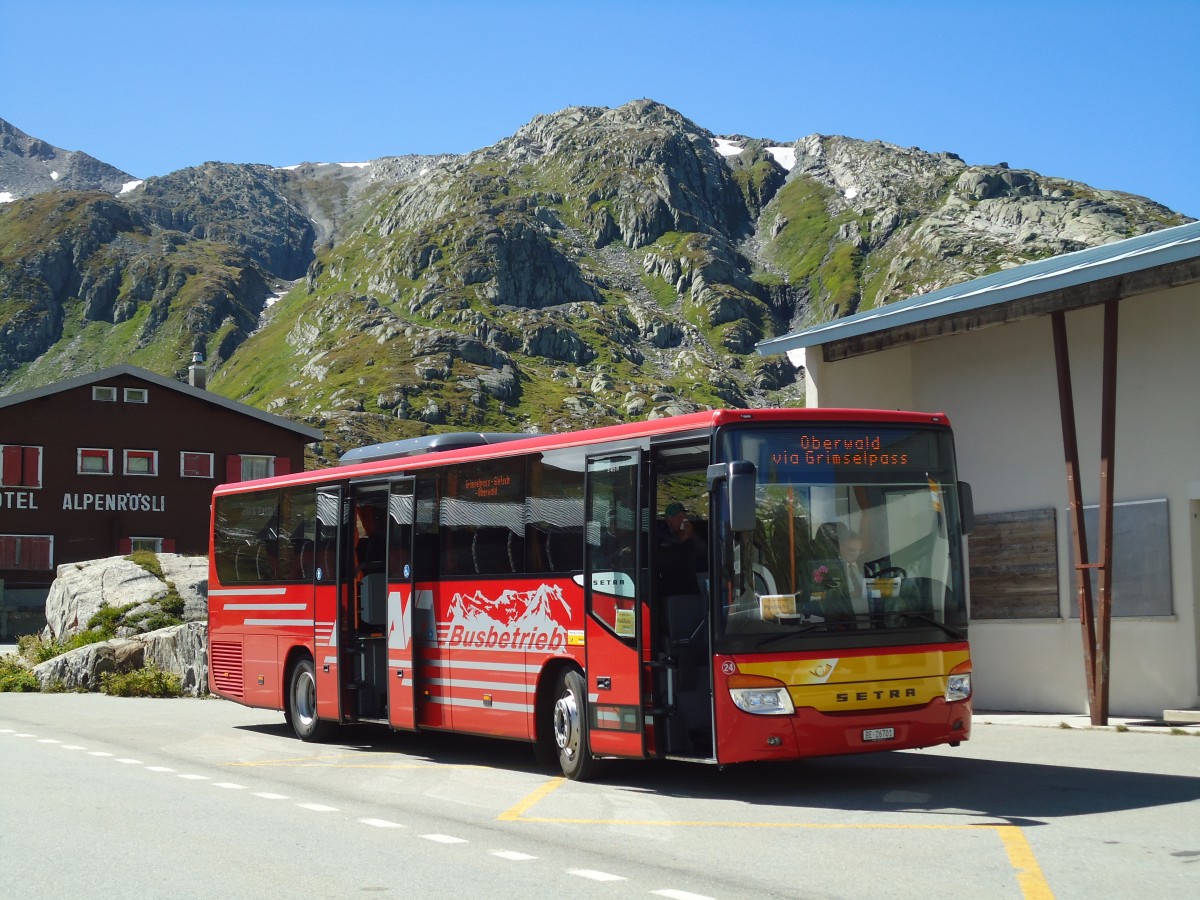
(401, 652)
(613, 620)
(328, 593)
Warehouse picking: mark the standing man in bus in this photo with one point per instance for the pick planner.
(681, 552)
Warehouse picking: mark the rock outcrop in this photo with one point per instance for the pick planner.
(29, 166)
(82, 590)
(179, 649)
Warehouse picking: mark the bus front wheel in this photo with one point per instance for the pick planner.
(301, 711)
(569, 725)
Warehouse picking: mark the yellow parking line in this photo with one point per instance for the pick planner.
(1020, 854)
(514, 812)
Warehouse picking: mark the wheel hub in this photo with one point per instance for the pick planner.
(566, 724)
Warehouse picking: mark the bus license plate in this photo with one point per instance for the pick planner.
(878, 734)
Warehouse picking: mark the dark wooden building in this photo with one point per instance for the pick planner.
(118, 460)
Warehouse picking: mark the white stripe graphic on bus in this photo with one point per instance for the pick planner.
(247, 592)
(265, 606)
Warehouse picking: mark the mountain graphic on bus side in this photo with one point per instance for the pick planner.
(510, 607)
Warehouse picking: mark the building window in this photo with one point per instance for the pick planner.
(152, 544)
(193, 464)
(137, 395)
(95, 461)
(104, 394)
(141, 462)
(257, 467)
(27, 552)
(20, 466)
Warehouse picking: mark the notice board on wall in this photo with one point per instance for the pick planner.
(1141, 544)
(1014, 565)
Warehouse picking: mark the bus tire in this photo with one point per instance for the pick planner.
(301, 708)
(569, 726)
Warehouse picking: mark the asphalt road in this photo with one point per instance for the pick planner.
(114, 797)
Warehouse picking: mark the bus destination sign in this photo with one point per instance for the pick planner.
(850, 449)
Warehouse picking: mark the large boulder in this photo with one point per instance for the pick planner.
(181, 649)
(81, 589)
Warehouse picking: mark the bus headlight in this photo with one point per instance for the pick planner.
(760, 695)
(958, 685)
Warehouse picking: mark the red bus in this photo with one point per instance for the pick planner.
(718, 587)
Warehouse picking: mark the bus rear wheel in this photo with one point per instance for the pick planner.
(569, 725)
(301, 708)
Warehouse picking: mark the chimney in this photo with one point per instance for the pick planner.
(197, 374)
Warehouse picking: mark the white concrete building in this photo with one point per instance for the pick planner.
(984, 353)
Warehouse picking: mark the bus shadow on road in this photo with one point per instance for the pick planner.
(1019, 793)
(413, 748)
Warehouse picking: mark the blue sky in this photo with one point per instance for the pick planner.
(1102, 92)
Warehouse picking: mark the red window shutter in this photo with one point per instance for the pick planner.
(10, 465)
(124, 547)
(8, 551)
(168, 545)
(233, 468)
(40, 554)
(283, 465)
(30, 459)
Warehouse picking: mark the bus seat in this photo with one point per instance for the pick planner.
(372, 600)
(565, 550)
(489, 551)
(516, 551)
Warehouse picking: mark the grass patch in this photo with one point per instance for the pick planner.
(149, 681)
(15, 678)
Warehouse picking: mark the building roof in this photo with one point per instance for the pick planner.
(57, 387)
(1056, 276)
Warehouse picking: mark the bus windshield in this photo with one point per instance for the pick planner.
(855, 539)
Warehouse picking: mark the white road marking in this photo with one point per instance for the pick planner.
(73, 747)
(511, 854)
(317, 807)
(229, 785)
(679, 895)
(99, 753)
(444, 839)
(595, 875)
(195, 777)
(267, 795)
(130, 762)
(158, 769)
(381, 823)
(49, 741)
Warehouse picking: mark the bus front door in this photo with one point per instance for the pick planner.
(401, 653)
(329, 595)
(613, 615)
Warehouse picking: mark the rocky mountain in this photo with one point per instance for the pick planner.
(30, 166)
(598, 265)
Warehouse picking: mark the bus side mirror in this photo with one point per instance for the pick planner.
(966, 506)
(740, 481)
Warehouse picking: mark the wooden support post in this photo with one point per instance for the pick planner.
(1095, 621)
(1108, 429)
(1081, 577)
